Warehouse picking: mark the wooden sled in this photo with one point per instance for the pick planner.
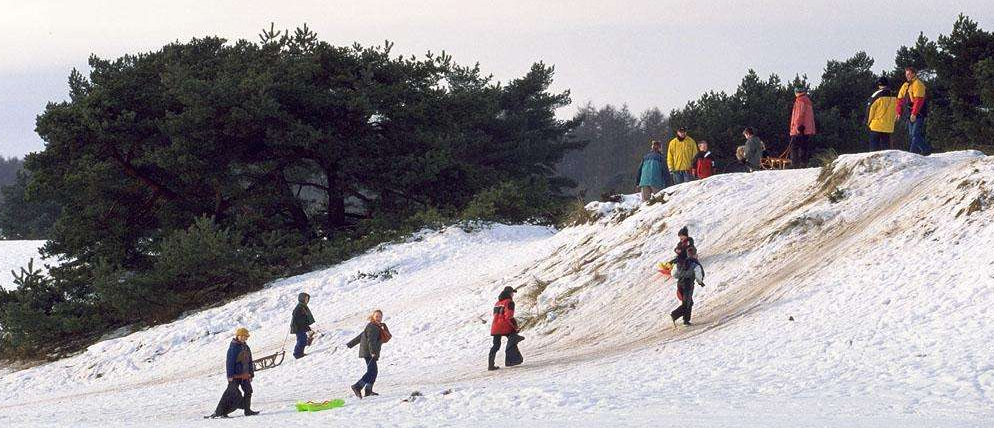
(779, 162)
(268, 361)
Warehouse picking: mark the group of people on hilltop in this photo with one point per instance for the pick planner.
(687, 160)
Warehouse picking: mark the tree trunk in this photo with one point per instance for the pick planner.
(336, 201)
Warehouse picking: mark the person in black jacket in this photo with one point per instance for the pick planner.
(370, 340)
(240, 370)
(300, 324)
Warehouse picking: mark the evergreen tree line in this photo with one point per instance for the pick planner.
(958, 69)
(197, 172)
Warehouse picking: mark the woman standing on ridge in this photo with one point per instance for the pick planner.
(370, 340)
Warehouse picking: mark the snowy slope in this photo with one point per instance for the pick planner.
(14, 255)
(882, 261)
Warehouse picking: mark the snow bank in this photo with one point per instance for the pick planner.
(853, 295)
(14, 255)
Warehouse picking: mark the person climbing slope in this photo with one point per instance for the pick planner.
(503, 324)
(300, 324)
(240, 371)
(652, 172)
(370, 341)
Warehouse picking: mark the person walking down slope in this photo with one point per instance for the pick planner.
(802, 127)
(240, 371)
(651, 176)
(703, 166)
(370, 341)
(684, 270)
(300, 324)
(680, 156)
(503, 324)
(881, 116)
(752, 151)
(912, 93)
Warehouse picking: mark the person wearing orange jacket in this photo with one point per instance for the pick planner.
(913, 93)
(880, 117)
(802, 127)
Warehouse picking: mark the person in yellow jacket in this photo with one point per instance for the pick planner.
(680, 154)
(912, 94)
(881, 116)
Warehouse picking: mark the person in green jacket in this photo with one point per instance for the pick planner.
(651, 176)
(680, 156)
(300, 324)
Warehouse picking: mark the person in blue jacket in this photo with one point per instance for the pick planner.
(240, 370)
(652, 174)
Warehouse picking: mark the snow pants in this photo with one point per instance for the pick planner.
(495, 348)
(368, 378)
(916, 137)
(681, 177)
(800, 151)
(686, 287)
(298, 349)
(879, 141)
(232, 399)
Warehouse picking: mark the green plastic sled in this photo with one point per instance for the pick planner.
(311, 406)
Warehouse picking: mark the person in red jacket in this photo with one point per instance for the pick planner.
(503, 323)
(703, 166)
(802, 127)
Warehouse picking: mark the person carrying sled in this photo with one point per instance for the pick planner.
(685, 271)
(652, 172)
(881, 116)
(240, 372)
(703, 166)
(370, 341)
(802, 127)
(300, 324)
(503, 325)
(680, 156)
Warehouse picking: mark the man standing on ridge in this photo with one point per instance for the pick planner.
(680, 156)
(913, 93)
(802, 127)
(881, 116)
(651, 178)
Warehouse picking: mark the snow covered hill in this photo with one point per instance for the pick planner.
(14, 255)
(855, 295)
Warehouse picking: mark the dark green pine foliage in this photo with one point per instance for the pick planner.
(196, 172)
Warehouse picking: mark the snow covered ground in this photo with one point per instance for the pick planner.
(860, 295)
(14, 255)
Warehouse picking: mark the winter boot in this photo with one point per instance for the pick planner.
(247, 405)
(216, 416)
(357, 390)
(492, 368)
(369, 391)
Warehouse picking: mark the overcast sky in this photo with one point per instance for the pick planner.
(640, 53)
